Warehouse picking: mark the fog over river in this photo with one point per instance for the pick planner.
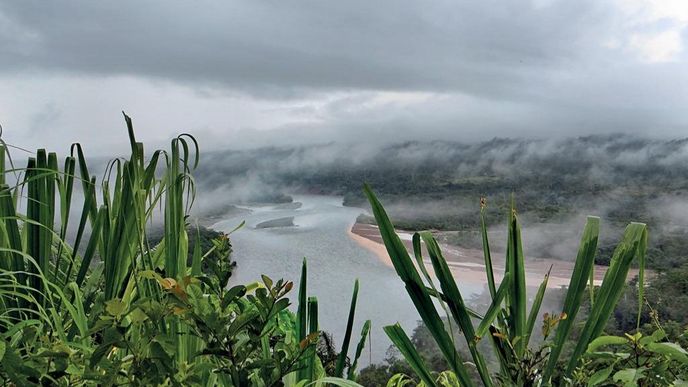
(335, 260)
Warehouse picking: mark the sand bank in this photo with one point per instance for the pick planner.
(468, 265)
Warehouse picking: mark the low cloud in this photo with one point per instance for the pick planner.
(247, 74)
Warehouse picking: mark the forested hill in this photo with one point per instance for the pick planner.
(437, 185)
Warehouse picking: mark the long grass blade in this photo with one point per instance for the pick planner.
(517, 293)
(535, 307)
(403, 343)
(302, 317)
(494, 309)
(632, 245)
(302, 307)
(341, 359)
(365, 331)
(642, 250)
(313, 329)
(91, 247)
(455, 303)
(8, 215)
(581, 271)
(486, 249)
(418, 253)
(3, 152)
(416, 289)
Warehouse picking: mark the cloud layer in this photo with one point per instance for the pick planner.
(244, 74)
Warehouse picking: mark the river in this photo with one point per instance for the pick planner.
(320, 234)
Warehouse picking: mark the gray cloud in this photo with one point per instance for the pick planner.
(487, 49)
(336, 70)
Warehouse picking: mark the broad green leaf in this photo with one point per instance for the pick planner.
(671, 350)
(606, 340)
(399, 380)
(447, 379)
(600, 376)
(629, 376)
(335, 381)
(115, 307)
(655, 337)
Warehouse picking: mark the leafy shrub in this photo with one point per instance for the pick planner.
(633, 360)
(110, 305)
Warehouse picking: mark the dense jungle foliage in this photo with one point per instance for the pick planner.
(94, 292)
(91, 294)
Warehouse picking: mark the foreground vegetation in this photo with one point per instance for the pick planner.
(509, 326)
(89, 295)
(108, 302)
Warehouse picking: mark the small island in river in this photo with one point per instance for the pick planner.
(279, 222)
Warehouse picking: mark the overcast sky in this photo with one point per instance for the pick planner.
(252, 73)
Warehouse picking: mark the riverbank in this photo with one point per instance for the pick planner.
(468, 265)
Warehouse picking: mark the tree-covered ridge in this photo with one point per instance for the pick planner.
(437, 185)
(90, 295)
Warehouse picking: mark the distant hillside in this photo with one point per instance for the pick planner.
(437, 185)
